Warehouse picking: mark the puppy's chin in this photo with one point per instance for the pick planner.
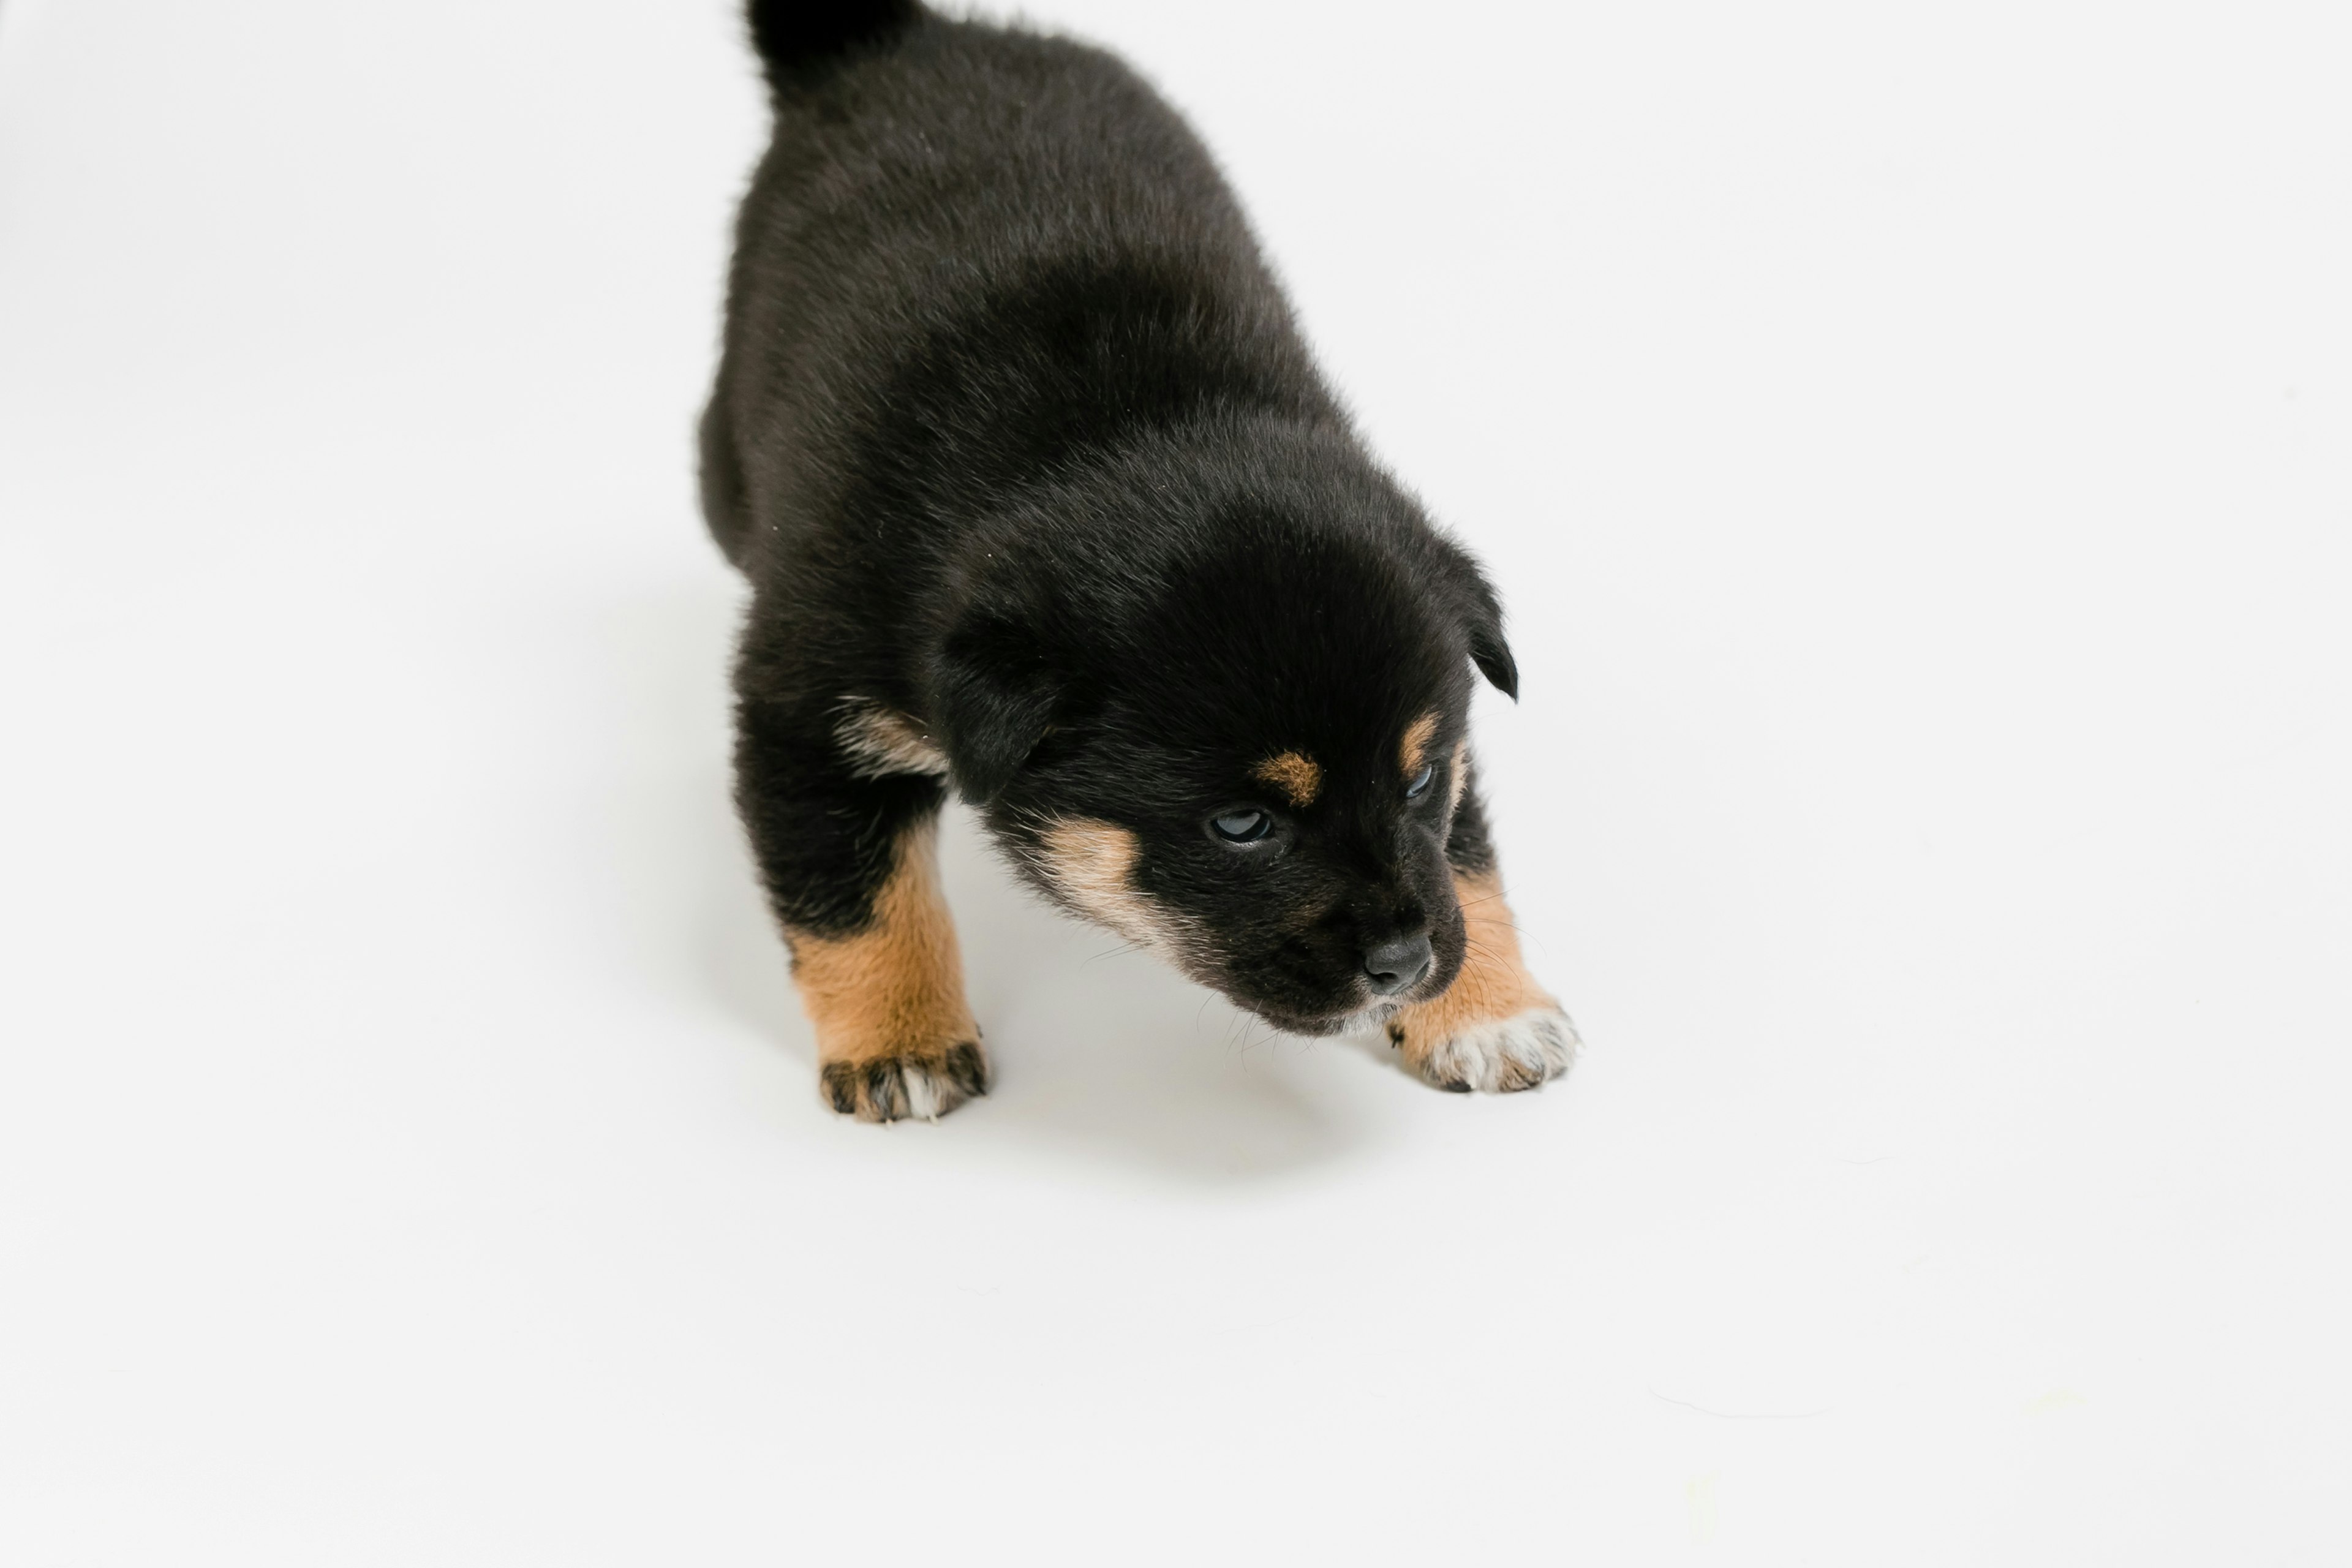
(1360, 1012)
(1308, 1023)
(1356, 1016)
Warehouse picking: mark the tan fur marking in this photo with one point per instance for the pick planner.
(1494, 984)
(896, 987)
(1092, 863)
(1461, 778)
(1295, 773)
(881, 741)
(1415, 750)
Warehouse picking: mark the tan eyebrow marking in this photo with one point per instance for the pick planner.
(1417, 737)
(1295, 773)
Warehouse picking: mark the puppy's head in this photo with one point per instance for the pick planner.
(1232, 728)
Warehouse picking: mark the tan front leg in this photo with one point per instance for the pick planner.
(894, 1034)
(1493, 1028)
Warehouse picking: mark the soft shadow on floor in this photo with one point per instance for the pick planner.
(1101, 1054)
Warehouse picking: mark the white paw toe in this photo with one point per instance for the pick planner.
(925, 1096)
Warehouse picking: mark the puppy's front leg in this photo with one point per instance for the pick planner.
(847, 844)
(1494, 1027)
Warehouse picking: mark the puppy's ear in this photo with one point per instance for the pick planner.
(1493, 656)
(1482, 621)
(997, 691)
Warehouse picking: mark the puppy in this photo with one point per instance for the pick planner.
(1041, 498)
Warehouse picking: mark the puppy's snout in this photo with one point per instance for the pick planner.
(1393, 966)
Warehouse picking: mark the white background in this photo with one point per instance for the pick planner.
(1916, 442)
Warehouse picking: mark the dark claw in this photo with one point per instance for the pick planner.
(886, 1091)
(968, 1069)
(839, 1082)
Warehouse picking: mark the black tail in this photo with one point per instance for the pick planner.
(799, 40)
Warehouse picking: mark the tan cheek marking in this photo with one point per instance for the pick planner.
(1493, 983)
(896, 986)
(1415, 750)
(1461, 775)
(1092, 864)
(1295, 773)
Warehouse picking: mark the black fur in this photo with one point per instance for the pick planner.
(799, 40)
(1014, 434)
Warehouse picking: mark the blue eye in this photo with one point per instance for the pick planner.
(1241, 827)
(1421, 780)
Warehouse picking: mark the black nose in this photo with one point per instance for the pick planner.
(1394, 965)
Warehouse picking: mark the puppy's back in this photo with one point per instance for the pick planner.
(969, 256)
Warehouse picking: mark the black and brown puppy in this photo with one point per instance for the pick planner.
(1041, 496)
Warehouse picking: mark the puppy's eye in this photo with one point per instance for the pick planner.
(1241, 827)
(1421, 780)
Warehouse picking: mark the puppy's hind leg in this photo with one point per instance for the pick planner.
(851, 863)
(1495, 1028)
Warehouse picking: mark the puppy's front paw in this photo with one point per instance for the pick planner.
(924, 1084)
(1497, 1056)
(1493, 1028)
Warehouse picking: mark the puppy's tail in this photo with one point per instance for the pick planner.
(799, 41)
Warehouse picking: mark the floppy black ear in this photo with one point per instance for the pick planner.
(996, 691)
(1493, 656)
(1482, 618)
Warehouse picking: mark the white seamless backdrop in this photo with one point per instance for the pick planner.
(1916, 444)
